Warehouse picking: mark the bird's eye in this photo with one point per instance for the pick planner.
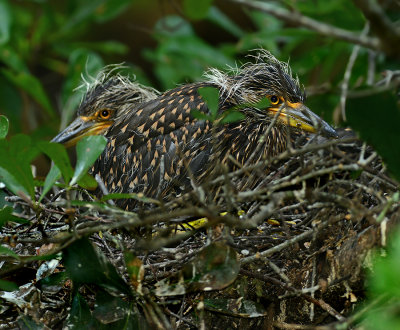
(274, 99)
(105, 114)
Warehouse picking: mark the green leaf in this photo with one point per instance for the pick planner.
(87, 182)
(94, 205)
(196, 9)
(53, 175)
(5, 22)
(8, 286)
(173, 26)
(11, 181)
(4, 124)
(384, 282)
(115, 313)
(80, 60)
(42, 257)
(214, 268)
(386, 276)
(219, 18)
(135, 269)
(32, 86)
(354, 175)
(8, 252)
(210, 96)
(110, 9)
(12, 59)
(109, 309)
(15, 169)
(88, 150)
(87, 265)
(80, 316)
(11, 103)
(232, 116)
(56, 279)
(376, 118)
(181, 55)
(84, 11)
(139, 197)
(6, 216)
(59, 156)
(28, 323)
(263, 103)
(199, 115)
(236, 307)
(104, 47)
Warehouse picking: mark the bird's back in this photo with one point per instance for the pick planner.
(159, 148)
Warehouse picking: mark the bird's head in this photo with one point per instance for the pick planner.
(269, 78)
(107, 98)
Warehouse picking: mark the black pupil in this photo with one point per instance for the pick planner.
(104, 113)
(274, 99)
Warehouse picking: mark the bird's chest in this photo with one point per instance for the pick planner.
(248, 143)
(167, 163)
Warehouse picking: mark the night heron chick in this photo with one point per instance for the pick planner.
(160, 149)
(108, 97)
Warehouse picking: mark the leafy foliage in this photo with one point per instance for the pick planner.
(214, 268)
(15, 158)
(4, 124)
(91, 266)
(383, 113)
(384, 284)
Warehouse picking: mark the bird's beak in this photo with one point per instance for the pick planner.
(82, 126)
(298, 115)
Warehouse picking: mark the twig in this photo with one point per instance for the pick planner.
(319, 302)
(279, 247)
(297, 19)
(347, 73)
(381, 25)
(103, 188)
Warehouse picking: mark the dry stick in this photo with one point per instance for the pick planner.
(297, 19)
(290, 326)
(180, 318)
(282, 156)
(281, 246)
(103, 188)
(382, 26)
(299, 179)
(389, 77)
(347, 73)
(319, 302)
(325, 307)
(313, 276)
(371, 67)
(130, 219)
(368, 190)
(379, 87)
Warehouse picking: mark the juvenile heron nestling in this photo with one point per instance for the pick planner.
(109, 97)
(156, 146)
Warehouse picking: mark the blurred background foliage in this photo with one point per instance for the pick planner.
(45, 47)
(48, 48)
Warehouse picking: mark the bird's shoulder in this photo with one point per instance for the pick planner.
(169, 112)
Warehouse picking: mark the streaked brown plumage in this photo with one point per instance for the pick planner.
(153, 144)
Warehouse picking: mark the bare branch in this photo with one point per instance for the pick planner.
(347, 74)
(381, 25)
(297, 19)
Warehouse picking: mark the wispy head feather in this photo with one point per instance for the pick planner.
(253, 81)
(110, 89)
